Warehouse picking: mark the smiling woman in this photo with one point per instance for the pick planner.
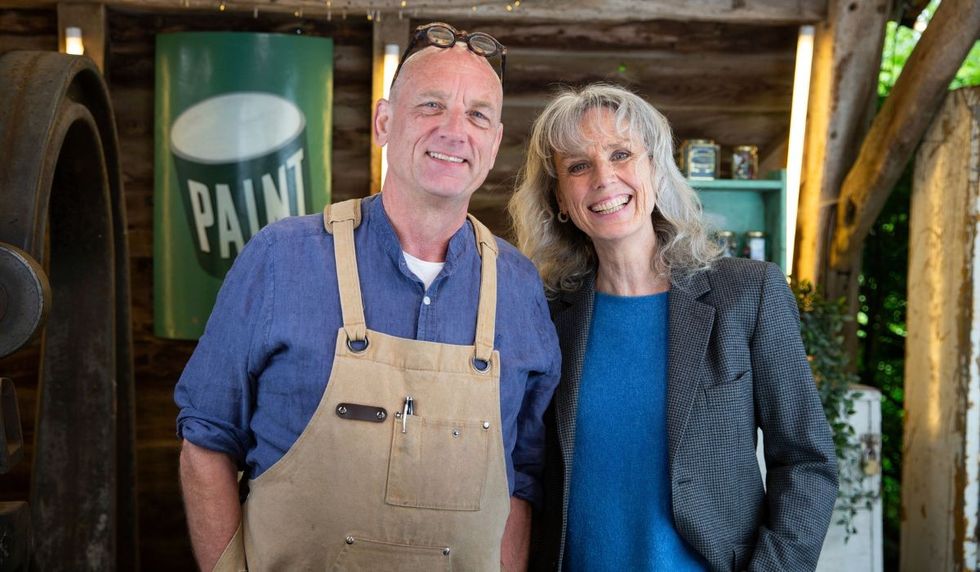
(694, 353)
(607, 188)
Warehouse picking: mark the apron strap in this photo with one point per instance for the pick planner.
(487, 311)
(340, 220)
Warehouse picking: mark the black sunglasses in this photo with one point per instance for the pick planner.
(442, 35)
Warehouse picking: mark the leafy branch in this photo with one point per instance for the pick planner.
(822, 326)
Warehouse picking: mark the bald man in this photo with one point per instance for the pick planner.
(379, 373)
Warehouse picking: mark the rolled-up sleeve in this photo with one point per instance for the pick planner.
(529, 451)
(216, 389)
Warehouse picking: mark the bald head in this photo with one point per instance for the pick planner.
(441, 127)
(431, 58)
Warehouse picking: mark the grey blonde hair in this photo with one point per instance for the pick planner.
(563, 254)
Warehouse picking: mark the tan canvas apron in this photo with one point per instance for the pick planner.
(366, 487)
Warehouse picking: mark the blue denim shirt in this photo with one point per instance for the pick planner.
(261, 367)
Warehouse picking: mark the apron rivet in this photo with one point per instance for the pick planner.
(445, 552)
(342, 410)
(486, 424)
(455, 432)
(381, 414)
(349, 540)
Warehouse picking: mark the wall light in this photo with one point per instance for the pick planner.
(73, 41)
(390, 64)
(797, 131)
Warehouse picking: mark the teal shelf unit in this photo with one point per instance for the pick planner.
(741, 206)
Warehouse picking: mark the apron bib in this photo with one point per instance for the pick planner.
(401, 466)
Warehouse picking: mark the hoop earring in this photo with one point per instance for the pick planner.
(562, 217)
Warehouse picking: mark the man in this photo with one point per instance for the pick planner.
(379, 373)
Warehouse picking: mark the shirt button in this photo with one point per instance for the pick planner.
(426, 300)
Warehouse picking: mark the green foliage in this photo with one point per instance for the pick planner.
(881, 364)
(899, 42)
(822, 327)
(883, 286)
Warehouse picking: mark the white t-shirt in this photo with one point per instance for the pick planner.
(425, 270)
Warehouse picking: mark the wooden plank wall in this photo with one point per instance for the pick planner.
(728, 82)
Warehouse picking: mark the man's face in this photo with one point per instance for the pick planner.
(442, 125)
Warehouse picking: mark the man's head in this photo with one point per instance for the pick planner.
(441, 123)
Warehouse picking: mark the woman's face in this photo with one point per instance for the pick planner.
(606, 188)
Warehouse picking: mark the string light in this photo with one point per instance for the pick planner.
(221, 7)
(510, 8)
(404, 3)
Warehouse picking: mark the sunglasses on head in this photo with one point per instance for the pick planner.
(442, 35)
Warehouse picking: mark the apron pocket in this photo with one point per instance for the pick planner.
(363, 554)
(437, 463)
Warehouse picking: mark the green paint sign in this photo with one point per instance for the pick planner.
(242, 140)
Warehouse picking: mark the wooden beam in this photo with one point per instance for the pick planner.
(742, 11)
(942, 381)
(900, 124)
(388, 30)
(846, 58)
(90, 18)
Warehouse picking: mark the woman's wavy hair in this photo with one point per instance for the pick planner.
(565, 255)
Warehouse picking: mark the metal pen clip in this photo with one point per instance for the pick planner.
(407, 409)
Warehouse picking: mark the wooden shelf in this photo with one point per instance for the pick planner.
(760, 185)
(740, 206)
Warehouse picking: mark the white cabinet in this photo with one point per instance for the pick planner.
(862, 552)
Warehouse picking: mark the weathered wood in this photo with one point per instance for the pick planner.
(90, 18)
(387, 30)
(942, 349)
(901, 122)
(847, 55)
(745, 11)
(680, 37)
(28, 30)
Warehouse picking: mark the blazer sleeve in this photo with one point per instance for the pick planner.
(801, 463)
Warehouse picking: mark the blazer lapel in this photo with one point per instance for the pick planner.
(572, 322)
(690, 323)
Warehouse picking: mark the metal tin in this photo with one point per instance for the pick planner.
(726, 240)
(755, 245)
(745, 162)
(699, 159)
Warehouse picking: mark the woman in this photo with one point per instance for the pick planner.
(672, 358)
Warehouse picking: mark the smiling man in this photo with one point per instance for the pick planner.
(379, 373)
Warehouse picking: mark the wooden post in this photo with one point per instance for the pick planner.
(899, 125)
(389, 29)
(846, 58)
(90, 17)
(942, 353)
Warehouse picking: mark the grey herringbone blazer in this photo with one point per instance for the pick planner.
(736, 362)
